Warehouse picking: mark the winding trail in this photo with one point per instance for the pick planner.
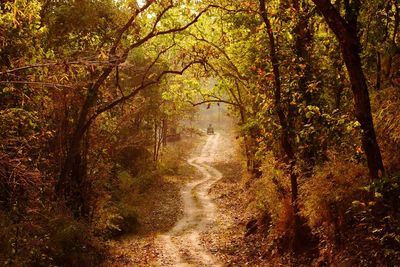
(182, 246)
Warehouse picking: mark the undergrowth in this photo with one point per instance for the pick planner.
(37, 230)
(353, 221)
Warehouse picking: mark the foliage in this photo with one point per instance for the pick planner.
(270, 189)
(380, 213)
(48, 240)
(91, 90)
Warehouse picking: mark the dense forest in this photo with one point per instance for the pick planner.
(101, 100)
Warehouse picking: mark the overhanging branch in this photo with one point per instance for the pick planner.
(136, 91)
(215, 101)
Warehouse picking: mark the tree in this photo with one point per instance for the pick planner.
(73, 171)
(285, 131)
(346, 33)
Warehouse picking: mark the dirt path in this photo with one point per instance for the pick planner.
(182, 245)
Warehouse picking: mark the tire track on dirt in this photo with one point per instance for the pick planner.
(182, 246)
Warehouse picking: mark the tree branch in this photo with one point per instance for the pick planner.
(155, 61)
(61, 63)
(136, 91)
(214, 101)
(122, 30)
(233, 66)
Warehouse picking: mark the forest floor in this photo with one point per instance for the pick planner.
(192, 219)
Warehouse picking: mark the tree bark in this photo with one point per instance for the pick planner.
(73, 172)
(394, 37)
(155, 149)
(346, 34)
(378, 71)
(164, 132)
(396, 22)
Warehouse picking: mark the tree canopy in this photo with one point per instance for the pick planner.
(91, 92)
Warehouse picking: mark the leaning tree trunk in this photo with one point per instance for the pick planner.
(70, 183)
(346, 34)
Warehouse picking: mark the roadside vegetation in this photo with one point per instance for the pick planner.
(95, 96)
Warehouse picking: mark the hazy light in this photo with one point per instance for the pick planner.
(141, 3)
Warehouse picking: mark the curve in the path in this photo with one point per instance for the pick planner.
(181, 246)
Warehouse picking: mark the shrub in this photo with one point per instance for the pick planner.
(128, 220)
(380, 214)
(326, 196)
(115, 214)
(270, 191)
(69, 239)
(51, 239)
(173, 156)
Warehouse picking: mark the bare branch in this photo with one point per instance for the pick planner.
(29, 67)
(62, 63)
(154, 32)
(222, 51)
(160, 16)
(122, 30)
(233, 11)
(155, 61)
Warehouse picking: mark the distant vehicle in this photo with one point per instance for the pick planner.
(210, 129)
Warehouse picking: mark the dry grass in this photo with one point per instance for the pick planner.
(330, 190)
(387, 124)
(269, 191)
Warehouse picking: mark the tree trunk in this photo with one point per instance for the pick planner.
(378, 71)
(394, 37)
(350, 47)
(155, 142)
(73, 172)
(396, 22)
(246, 143)
(160, 138)
(164, 132)
(285, 131)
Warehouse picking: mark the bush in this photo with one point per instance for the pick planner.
(49, 240)
(70, 241)
(115, 214)
(270, 191)
(173, 157)
(326, 196)
(128, 220)
(270, 198)
(380, 215)
(134, 158)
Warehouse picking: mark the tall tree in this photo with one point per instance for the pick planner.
(283, 121)
(345, 30)
(72, 175)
